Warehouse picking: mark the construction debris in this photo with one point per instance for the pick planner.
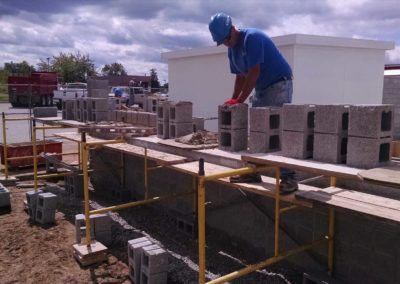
(199, 138)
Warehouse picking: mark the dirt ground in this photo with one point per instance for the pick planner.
(30, 253)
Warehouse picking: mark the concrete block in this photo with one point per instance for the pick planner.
(143, 118)
(114, 103)
(152, 120)
(104, 237)
(298, 117)
(98, 116)
(74, 185)
(159, 278)
(133, 117)
(97, 84)
(180, 112)
(45, 111)
(31, 198)
(233, 116)
(332, 119)
(102, 222)
(179, 129)
(44, 216)
(162, 129)
(47, 201)
(124, 115)
(331, 148)
(5, 200)
(154, 261)
(265, 119)
(98, 104)
(264, 142)
(373, 121)
(134, 258)
(298, 145)
(99, 93)
(80, 227)
(163, 110)
(368, 152)
(186, 225)
(232, 140)
(198, 123)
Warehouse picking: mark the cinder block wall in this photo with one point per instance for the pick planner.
(391, 95)
(366, 248)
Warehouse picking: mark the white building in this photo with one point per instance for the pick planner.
(326, 70)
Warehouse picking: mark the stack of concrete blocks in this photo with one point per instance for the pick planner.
(69, 109)
(46, 208)
(100, 228)
(233, 127)
(45, 112)
(98, 109)
(74, 185)
(31, 199)
(163, 119)
(330, 133)
(298, 130)
(5, 201)
(180, 119)
(97, 88)
(148, 262)
(265, 129)
(370, 135)
(150, 104)
(198, 123)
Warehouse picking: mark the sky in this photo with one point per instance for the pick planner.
(135, 33)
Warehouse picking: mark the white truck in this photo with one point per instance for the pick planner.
(69, 91)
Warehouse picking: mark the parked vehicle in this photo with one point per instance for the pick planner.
(69, 91)
(32, 90)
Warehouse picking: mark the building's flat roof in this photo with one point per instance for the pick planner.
(292, 39)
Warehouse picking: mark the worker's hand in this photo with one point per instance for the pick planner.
(232, 102)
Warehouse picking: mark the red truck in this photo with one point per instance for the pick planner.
(32, 90)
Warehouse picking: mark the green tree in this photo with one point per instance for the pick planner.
(116, 69)
(45, 65)
(154, 83)
(21, 68)
(73, 67)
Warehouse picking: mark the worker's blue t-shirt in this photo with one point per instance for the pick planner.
(254, 47)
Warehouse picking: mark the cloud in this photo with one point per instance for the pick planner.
(134, 32)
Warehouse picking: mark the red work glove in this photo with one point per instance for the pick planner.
(232, 102)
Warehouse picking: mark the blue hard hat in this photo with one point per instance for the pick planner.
(220, 25)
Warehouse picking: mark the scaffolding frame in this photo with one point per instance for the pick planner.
(278, 255)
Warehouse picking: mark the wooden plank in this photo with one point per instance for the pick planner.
(319, 168)
(158, 156)
(173, 143)
(355, 201)
(76, 137)
(388, 176)
(266, 188)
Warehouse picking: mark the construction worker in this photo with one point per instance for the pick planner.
(257, 64)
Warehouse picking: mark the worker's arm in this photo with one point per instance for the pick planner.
(239, 82)
(249, 83)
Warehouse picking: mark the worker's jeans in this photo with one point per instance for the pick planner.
(275, 96)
